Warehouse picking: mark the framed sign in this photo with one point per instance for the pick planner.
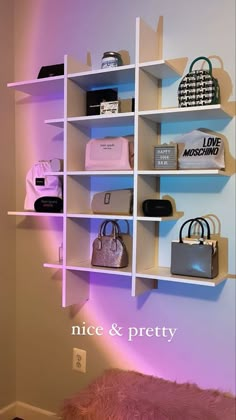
(111, 107)
(165, 156)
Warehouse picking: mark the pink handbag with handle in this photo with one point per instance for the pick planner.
(108, 154)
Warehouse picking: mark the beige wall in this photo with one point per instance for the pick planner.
(44, 32)
(7, 194)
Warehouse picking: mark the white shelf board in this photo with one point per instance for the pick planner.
(53, 265)
(55, 173)
(87, 266)
(175, 216)
(95, 173)
(104, 77)
(193, 113)
(33, 214)
(108, 120)
(160, 69)
(179, 172)
(57, 122)
(163, 273)
(40, 87)
(99, 216)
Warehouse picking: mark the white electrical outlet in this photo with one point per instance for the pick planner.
(79, 360)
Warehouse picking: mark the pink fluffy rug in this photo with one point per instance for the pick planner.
(127, 395)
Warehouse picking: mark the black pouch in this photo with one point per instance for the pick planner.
(157, 208)
(49, 205)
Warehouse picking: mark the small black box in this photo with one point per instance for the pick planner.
(50, 71)
(95, 97)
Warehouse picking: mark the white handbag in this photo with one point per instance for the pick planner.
(39, 184)
(200, 150)
(113, 202)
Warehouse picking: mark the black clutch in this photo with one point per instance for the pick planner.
(157, 208)
(48, 205)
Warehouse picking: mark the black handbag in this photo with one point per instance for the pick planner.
(195, 256)
(199, 87)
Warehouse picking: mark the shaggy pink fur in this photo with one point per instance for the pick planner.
(127, 395)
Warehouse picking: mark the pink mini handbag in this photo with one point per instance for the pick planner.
(108, 154)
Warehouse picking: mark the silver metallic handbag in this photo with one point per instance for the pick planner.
(195, 256)
(109, 250)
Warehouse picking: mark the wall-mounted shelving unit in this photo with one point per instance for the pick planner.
(145, 77)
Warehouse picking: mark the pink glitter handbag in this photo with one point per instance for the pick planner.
(109, 250)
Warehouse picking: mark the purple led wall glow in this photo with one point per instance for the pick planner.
(111, 302)
(119, 352)
(203, 349)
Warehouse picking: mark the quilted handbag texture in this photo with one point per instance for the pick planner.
(198, 87)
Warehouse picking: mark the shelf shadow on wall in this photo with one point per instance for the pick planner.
(225, 81)
(111, 281)
(125, 57)
(58, 137)
(183, 290)
(31, 99)
(40, 223)
(194, 184)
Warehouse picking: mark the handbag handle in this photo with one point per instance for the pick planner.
(203, 220)
(115, 228)
(127, 226)
(188, 221)
(201, 58)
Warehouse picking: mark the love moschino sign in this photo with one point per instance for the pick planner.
(200, 150)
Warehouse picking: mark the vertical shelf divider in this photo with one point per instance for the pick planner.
(144, 37)
(75, 284)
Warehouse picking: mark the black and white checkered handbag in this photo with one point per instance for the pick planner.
(198, 87)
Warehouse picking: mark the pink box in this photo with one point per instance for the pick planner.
(108, 154)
